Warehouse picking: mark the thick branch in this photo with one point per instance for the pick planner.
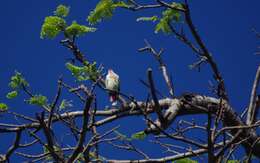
(81, 141)
(155, 100)
(253, 100)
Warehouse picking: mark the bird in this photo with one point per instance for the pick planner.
(112, 84)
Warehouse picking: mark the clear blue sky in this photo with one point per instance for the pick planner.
(225, 26)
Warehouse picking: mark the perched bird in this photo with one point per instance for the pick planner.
(113, 86)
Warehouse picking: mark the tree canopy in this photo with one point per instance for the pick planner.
(157, 118)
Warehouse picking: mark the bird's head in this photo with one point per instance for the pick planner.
(110, 71)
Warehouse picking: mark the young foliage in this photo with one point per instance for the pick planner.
(104, 10)
(139, 135)
(78, 30)
(17, 81)
(38, 100)
(12, 94)
(62, 11)
(3, 107)
(168, 16)
(52, 26)
(65, 104)
(152, 18)
(83, 73)
(185, 160)
(233, 161)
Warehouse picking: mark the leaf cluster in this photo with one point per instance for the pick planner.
(104, 10)
(76, 29)
(55, 24)
(17, 82)
(52, 26)
(83, 73)
(62, 11)
(168, 16)
(3, 107)
(38, 100)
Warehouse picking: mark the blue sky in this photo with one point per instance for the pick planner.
(225, 26)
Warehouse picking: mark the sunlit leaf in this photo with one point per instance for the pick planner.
(168, 16)
(139, 135)
(12, 94)
(233, 161)
(82, 73)
(52, 26)
(17, 81)
(77, 30)
(104, 10)
(185, 160)
(62, 11)
(38, 100)
(3, 107)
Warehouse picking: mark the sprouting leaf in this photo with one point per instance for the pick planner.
(185, 160)
(3, 107)
(139, 135)
(77, 30)
(38, 100)
(85, 72)
(233, 161)
(65, 104)
(168, 16)
(104, 10)
(12, 94)
(52, 26)
(17, 81)
(152, 18)
(62, 11)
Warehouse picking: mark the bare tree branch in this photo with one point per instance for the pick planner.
(253, 100)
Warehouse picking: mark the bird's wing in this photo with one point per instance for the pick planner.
(106, 81)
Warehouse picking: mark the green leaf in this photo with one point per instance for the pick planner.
(62, 11)
(17, 81)
(152, 18)
(12, 94)
(233, 161)
(77, 30)
(139, 135)
(3, 107)
(52, 26)
(104, 10)
(168, 16)
(85, 72)
(65, 104)
(185, 160)
(38, 100)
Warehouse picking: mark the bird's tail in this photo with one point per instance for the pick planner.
(113, 99)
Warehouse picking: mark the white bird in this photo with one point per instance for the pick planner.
(113, 86)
